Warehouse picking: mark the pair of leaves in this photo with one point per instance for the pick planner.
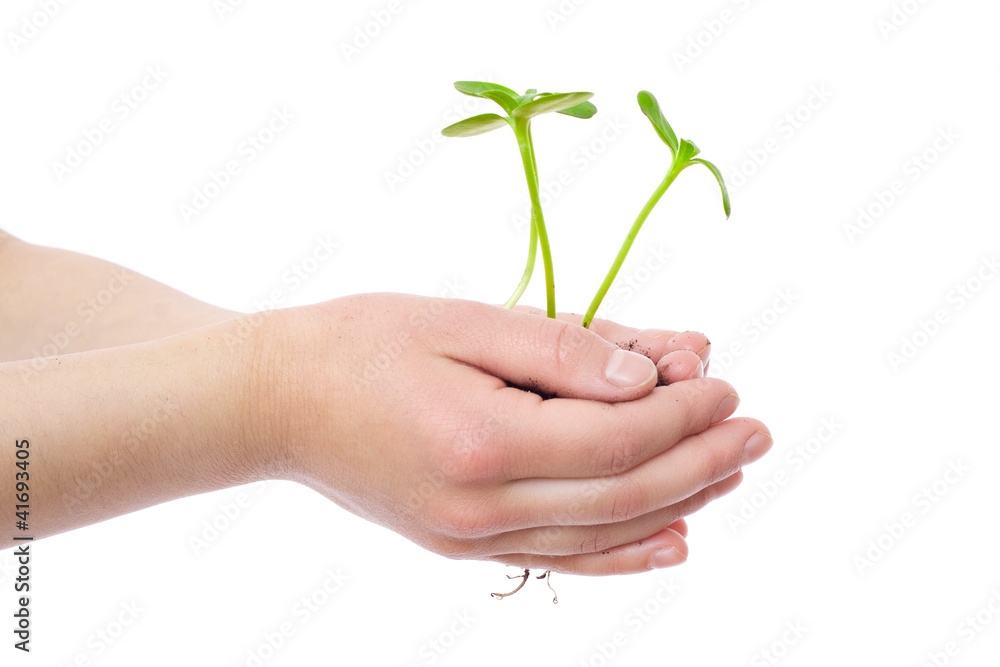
(684, 152)
(517, 107)
(533, 103)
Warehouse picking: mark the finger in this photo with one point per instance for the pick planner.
(680, 365)
(583, 439)
(692, 341)
(692, 465)
(567, 540)
(653, 343)
(664, 549)
(544, 354)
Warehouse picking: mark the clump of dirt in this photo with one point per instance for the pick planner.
(531, 385)
(633, 346)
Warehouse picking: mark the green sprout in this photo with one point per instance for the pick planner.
(520, 109)
(683, 154)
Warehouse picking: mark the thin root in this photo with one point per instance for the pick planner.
(547, 576)
(523, 578)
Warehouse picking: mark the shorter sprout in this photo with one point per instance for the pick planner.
(683, 155)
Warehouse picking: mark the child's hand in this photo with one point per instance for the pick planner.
(406, 411)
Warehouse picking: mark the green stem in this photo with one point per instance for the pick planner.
(528, 270)
(627, 245)
(522, 129)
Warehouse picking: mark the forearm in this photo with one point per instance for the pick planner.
(58, 302)
(113, 431)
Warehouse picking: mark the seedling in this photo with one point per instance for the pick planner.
(520, 109)
(683, 154)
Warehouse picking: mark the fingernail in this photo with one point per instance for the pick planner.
(668, 557)
(755, 448)
(629, 370)
(726, 408)
(698, 372)
(705, 352)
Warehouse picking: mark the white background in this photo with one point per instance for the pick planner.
(797, 559)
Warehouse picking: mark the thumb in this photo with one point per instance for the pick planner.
(547, 355)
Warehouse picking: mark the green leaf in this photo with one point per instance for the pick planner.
(476, 125)
(686, 151)
(585, 110)
(477, 88)
(651, 108)
(505, 97)
(550, 102)
(722, 184)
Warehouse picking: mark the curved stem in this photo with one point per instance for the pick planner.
(522, 129)
(528, 270)
(627, 245)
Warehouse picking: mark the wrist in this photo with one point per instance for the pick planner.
(261, 352)
(296, 380)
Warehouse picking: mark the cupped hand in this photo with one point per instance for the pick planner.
(426, 416)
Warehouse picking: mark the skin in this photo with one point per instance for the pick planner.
(404, 410)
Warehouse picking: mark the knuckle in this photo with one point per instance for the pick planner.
(563, 341)
(700, 399)
(621, 455)
(600, 541)
(717, 462)
(449, 547)
(628, 501)
(470, 451)
(544, 540)
(461, 520)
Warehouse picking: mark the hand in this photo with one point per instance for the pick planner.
(405, 410)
